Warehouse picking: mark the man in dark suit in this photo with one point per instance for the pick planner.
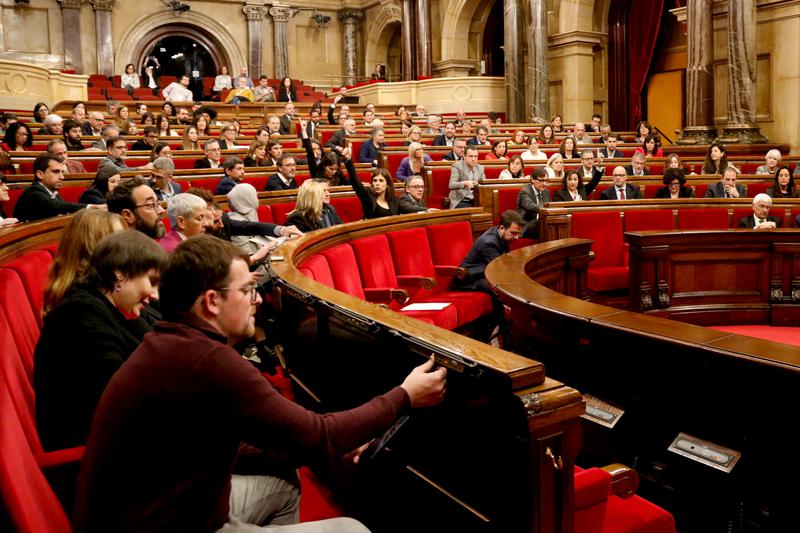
(94, 124)
(726, 187)
(212, 155)
(148, 141)
(610, 151)
(530, 199)
(338, 141)
(287, 118)
(313, 123)
(621, 190)
(448, 138)
(760, 218)
(234, 174)
(41, 199)
(637, 166)
(459, 147)
(283, 180)
(411, 201)
(481, 137)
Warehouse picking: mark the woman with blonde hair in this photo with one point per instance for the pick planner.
(307, 213)
(555, 167)
(78, 240)
(227, 136)
(414, 164)
(190, 137)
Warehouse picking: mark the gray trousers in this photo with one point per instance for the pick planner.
(275, 502)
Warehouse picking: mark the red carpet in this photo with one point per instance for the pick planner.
(770, 333)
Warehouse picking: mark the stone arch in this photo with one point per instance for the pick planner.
(380, 35)
(456, 43)
(202, 27)
(575, 15)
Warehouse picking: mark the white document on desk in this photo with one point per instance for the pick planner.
(426, 306)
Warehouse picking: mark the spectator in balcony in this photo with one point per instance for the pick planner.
(726, 187)
(716, 159)
(94, 125)
(106, 307)
(651, 147)
(547, 135)
(533, 153)
(568, 148)
(573, 189)
(189, 139)
(499, 151)
(59, 149)
(515, 169)
(244, 74)
(105, 180)
(129, 79)
(78, 112)
(414, 164)
(263, 93)
(178, 91)
(256, 155)
(18, 138)
(783, 186)
(212, 155)
(223, 80)
(149, 79)
(40, 112)
(773, 160)
(674, 181)
(643, 129)
(287, 92)
(53, 125)
(370, 150)
(242, 93)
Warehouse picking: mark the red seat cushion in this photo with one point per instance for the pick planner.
(318, 502)
(636, 515)
(318, 267)
(279, 211)
(264, 214)
(703, 218)
(32, 270)
(608, 278)
(649, 219)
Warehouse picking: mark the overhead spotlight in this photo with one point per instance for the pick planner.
(320, 21)
(179, 7)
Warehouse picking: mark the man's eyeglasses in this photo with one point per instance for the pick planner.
(248, 290)
(415, 186)
(150, 205)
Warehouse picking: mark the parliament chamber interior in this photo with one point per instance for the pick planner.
(583, 216)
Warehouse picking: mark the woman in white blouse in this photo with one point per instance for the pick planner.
(533, 153)
(130, 80)
(223, 80)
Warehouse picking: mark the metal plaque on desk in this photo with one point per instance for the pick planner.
(600, 412)
(705, 452)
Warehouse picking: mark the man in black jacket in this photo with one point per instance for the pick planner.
(448, 138)
(284, 179)
(411, 201)
(41, 199)
(148, 141)
(459, 148)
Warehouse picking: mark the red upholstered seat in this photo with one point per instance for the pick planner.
(450, 243)
(375, 263)
(259, 182)
(700, 190)
(32, 270)
(703, 218)
(412, 257)
(506, 199)
(15, 306)
(393, 161)
(184, 163)
(344, 270)
(279, 211)
(318, 502)
(592, 487)
(319, 270)
(209, 184)
(348, 208)
(440, 186)
(757, 188)
(264, 213)
(492, 172)
(71, 194)
(741, 212)
(649, 219)
(609, 270)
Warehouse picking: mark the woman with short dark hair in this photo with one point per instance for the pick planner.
(105, 181)
(674, 181)
(89, 334)
(573, 189)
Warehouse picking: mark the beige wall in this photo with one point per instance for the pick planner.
(22, 85)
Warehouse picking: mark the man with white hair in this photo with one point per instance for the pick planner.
(188, 216)
(419, 111)
(338, 141)
(434, 125)
(760, 218)
(579, 133)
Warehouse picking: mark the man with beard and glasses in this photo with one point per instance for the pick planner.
(139, 207)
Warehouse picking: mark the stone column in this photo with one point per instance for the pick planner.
(71, 19)
(351, 19)
(512, 57)
(409, 58)
(575, 50)
(538, 62)
(255, 22)
(699, 74)
(424, 53)
(281, 16)
(102, 22)
(741, 126)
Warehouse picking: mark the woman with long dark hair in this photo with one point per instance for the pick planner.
(287, 92)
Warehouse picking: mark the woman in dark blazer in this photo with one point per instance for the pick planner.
(287, 92)
(572, 187)
(89, 334)
(674, 181)
(106, 179)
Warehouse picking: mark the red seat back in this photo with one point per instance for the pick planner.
(742, 212)
(279, 211)
(344, 270)
(757, 188)
(264, 214)
(393, 161)
(649, 219)
(507, 199)
(32, 270)
(348, 208)
(15, 306)
(450, 243)
(375, 261)
(700, 190)
(209, 184)
(703, 218)
(605, 229)
(440, 186)
(318, 267)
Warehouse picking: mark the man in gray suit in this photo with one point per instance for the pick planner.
(530, 199)
(464, 176)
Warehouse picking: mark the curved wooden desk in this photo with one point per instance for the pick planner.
(669, 377)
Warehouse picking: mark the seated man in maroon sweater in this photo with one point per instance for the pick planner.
(170, 424)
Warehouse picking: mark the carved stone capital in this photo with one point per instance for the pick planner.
(282, 14)
(354, 16)
(103, 5)
(70, 4)
(697, 135)
(254, 12)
